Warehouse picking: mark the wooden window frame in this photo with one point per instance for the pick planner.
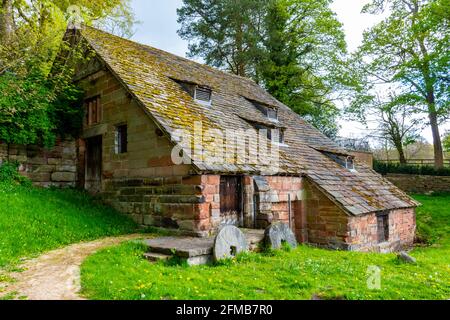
(94, 111)
(383, 227)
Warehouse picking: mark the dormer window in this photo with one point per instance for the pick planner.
(269, 112)
(203, 95)
(348, 162)
(272, 133)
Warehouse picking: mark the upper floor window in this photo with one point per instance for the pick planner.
(201, 94)
(268, 111)
(94, 112)
(348, 162)
(121, 139)
(273, 134)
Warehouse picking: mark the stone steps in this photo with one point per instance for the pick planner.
(155, 257)
(195, 251)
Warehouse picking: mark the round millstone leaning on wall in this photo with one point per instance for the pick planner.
(278, 233)
(230, 241)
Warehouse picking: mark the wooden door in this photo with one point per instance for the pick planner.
(93, 177)
(231, 200)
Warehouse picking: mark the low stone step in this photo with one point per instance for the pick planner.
(155, 257)
(196, 251)
(183, 247)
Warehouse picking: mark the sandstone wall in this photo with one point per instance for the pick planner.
(45, 167)
(420, 184)
(363, 232)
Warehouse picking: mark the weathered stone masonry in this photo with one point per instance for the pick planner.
(329, 226)
(55, 167)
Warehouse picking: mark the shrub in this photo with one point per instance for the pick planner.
(385, 168)
(9, 173)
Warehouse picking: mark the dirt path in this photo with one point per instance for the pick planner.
(56, 274)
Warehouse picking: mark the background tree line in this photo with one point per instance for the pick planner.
(398, 78)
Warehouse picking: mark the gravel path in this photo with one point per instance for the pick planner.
(56, 274)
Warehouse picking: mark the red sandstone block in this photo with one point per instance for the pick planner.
(202, 211)
(209, 197)
(213, 179)
(248, 181)
(215, 205)
(210, 189)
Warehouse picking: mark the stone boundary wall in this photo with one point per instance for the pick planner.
(420, 184)
(45, 167)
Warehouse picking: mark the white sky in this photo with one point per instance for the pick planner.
(159, 27)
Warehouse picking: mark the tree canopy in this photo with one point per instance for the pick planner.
(293, 48)
(38, 100)
(407, 53)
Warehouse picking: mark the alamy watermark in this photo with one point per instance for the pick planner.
(217, 148)
(374, 278)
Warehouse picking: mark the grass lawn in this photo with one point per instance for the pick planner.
(121, 273)
(35, 220)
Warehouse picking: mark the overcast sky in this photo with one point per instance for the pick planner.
(159, 27)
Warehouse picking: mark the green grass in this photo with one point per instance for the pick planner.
(121, 272)
(433, 219)
(35, 220)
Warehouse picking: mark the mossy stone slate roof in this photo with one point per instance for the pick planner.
(149, 75)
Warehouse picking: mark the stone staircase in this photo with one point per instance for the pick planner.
(195, 251)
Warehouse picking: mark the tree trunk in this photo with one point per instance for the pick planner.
(6, 21)
(438, 150)
(401, 154)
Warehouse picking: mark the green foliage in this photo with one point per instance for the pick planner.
(446, 142)
(9, 174)
(35, 220)
(294, 48)
(37, 98)
(121, 273)
(406, 53)
(385, 168)
(433, 227)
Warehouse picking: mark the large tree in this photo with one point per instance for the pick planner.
(225, 33)
(408, 51)
(291, 47)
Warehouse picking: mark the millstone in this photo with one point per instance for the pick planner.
(403, 256)
(229, 242)
(278, 233)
